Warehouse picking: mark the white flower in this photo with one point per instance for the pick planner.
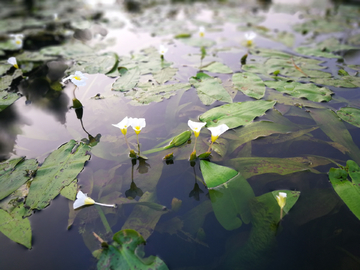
(217, 131)
(281, 199)
(12, 61)
(55, 16)
(201, 31)
(78, 78)
(137, 124)
(17, 40)
(123, 125)
(250, 35)
(196, 127)
(162, 50)
(82, 199)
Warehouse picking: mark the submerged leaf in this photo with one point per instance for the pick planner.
(229, 193)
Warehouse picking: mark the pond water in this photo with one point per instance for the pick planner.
(290, 97)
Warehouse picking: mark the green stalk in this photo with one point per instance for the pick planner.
(103, 219)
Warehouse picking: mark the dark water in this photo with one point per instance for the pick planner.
(324, 237)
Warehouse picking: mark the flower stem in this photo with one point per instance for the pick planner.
(103, 219)
(281, 214)
(210, 146)
(137, 138)
(127, 142)
(107, 205)
(74, 91)
(195, 144)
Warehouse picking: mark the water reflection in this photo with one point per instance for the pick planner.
(195, 192)
(134, 191)
(10, 128)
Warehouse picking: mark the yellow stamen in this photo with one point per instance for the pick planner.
(213, 138)
(123, 130)
(18, 42)
(249, 43)
(196, 133)
(89, 201)
(77, 78)
(201, 34)
(16, 66)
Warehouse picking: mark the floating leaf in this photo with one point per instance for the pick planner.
(350, 115)
(265, 216)
(332, 45)
(19, 173)
(236, 114)
(6, 99)
(15, 227)
(68, 50)
(122, 254)
(59, 169)
(229, 193)
(70, 190)
(349, 191)
(209, 89)
(128, 79)
(250, 84)
(250, 166)
(165, 75)
(320, 26)
(315, 52)
(217, 67)
(345, 81)
(155, 93)
(93, 64)
(286, 38)
(301, 90)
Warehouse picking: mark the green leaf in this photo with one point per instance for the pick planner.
(320, 25)
(250, 84)
(229, 193)
(332, 45)
(27, 56)
(12, 179)
(4, 68)
(345, 81)
(6, 99)
(128, 79)
(70, 190)
(179, 139)
(286, 38)
(335, 129)
(217, 67)
(68, 50)
(301, 90)
(236, 114)
(165, 75)
(350, 115)
(15, 227)
(250, 166)
(93, 64)
(59, 169)
(209, 89)
(349, 191)
(315, 52)
(122, 254)
(155, 93)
